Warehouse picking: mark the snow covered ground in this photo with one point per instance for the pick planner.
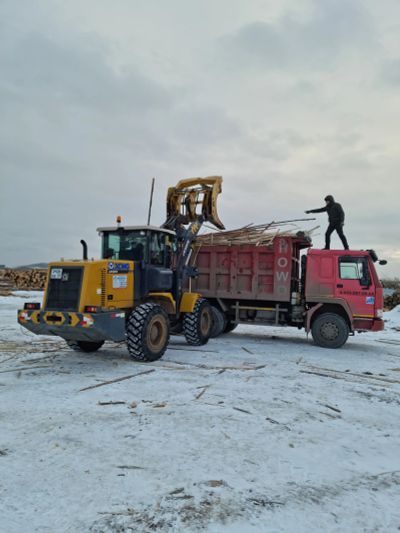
(258, 431)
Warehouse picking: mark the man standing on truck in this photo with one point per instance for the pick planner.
(336, 221)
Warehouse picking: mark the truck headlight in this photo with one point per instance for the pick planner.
(379, 313)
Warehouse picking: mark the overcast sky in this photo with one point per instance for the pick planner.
(289, 101)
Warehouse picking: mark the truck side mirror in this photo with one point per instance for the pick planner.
(383, 262)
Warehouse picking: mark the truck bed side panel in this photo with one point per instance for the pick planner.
(245, 272)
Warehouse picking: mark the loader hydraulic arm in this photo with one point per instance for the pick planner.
(191, 203)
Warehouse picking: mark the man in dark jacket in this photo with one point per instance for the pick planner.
(336, 221)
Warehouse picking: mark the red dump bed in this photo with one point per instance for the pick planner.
(249, 272)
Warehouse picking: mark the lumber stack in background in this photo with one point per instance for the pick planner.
(392, 301)
(33, 279)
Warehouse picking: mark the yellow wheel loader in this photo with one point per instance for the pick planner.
(134, 293)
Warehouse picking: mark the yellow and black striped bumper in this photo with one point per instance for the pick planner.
(75, 326)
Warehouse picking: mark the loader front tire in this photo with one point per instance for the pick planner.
(147, 332)
(330, 330)
(84, 346)
(197, 324)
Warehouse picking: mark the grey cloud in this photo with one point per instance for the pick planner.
(390, 73)
(74, 72)
(336, 27)
(203, 124)
(276, 144)
(81, 139)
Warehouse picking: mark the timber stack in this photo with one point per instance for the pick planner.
(392, 300)
(15, 279)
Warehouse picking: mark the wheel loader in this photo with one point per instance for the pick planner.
(135, 292)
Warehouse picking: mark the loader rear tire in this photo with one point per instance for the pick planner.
(330, 330)
(197, 325)
(84, 346)
(219, 322)
(147, 332)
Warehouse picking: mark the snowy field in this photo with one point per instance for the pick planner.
(258, 431)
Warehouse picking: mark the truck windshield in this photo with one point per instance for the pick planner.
(130, 245)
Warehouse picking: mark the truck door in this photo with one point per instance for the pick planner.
(355, 284)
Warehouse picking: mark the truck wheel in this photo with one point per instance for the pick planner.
(197, 325)
(147, 332)
(219, 322)
(230, 326)
(330, 330)
(84, 346)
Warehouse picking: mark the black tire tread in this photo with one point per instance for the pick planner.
(219, 322)
(134, 331)
(343, 330)
(230, 326)
(191, 327)
(84, 346)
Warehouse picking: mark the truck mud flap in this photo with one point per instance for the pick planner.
(75, 326)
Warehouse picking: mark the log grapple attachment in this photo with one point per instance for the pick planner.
(194, 199)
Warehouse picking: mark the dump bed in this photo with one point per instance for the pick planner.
(249, 272)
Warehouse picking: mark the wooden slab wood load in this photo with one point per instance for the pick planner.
(27, 280)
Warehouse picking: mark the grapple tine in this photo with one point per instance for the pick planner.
(183, 199)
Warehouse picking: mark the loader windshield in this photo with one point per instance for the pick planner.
(130, 245)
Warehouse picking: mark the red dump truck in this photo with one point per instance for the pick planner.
(332, 293)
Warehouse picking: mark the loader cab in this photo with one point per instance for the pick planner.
(146, 244)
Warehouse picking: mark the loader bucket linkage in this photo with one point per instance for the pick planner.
(184, 199)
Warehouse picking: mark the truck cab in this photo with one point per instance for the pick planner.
(342, 283)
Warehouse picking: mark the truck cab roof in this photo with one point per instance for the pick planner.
(343, 253)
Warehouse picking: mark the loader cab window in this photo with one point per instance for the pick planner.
(161, 248)
(157, 249)
(129, 245)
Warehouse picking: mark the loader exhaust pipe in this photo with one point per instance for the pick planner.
(84, 246)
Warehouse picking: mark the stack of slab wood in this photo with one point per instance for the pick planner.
(259, 235)
(15, 279)
(392, 300)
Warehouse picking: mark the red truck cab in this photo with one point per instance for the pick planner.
(344, 282)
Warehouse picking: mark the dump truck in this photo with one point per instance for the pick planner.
(135, 291)
(330, 293)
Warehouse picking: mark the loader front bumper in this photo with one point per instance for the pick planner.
(75, 326)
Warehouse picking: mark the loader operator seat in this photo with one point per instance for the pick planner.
(132, 254)
(137, 252)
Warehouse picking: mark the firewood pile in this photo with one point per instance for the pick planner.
(392, 301)
(260, 235)
(30, 280)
